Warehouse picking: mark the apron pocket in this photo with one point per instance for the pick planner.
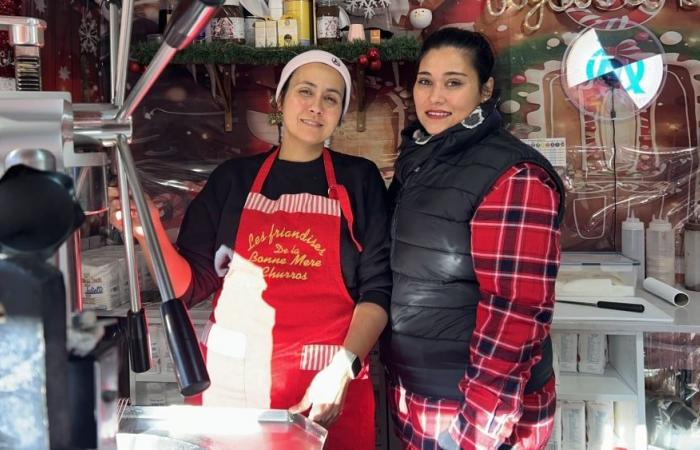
(225, 342)
(317, 356)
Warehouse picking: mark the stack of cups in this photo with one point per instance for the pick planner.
(633, 243)
(661, 251)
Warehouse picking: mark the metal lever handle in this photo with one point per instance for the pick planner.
(190, 369)
(191, 16)
(139, 341)
(189, 19)
(191, 372)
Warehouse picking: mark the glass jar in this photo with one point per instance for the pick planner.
(327, 21)
(249, 27)
(165, 10)
(691, 239)
(228, 24)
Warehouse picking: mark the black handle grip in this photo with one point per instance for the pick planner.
(190, 370)
(188, 19)
(139, 341)
(631, 307)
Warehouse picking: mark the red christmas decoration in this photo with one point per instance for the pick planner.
(518, 79)
(135, 67)
(375, 65)
(373, 54)
(363, 61)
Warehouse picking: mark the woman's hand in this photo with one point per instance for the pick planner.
(116, 213)
(326, 394)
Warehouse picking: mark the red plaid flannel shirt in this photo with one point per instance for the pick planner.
(515, 248)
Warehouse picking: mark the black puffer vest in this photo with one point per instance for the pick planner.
(437, 188)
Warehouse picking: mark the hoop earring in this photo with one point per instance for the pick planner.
(474, 119)
(275, 117)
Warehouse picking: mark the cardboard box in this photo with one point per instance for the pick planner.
(592, 352)
(260, 33)
(104, 280)
(565, 350)
(287, 33)
(555, 440)
(270, 33)
(600, 423)
(573, 425)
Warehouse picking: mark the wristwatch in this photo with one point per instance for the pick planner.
(356, 365)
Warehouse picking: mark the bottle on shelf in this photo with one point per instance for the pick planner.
(165, 10)
(301, 11)
(327, 21)
(228, 24)
(661, 251)
(249, 27)
(633, 243)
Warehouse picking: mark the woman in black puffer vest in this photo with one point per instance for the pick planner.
(474, 253)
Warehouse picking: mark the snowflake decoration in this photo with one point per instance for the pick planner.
(40, 6)
(88, 34)
(367, 6)
(64, 73)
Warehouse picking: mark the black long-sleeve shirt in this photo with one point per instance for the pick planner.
(213, 216)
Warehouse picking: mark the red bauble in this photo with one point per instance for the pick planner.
(375, 65)
(518, 79)
(135, 67)
(373, 54)
(363, 61)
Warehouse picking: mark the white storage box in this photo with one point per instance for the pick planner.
(596, 275)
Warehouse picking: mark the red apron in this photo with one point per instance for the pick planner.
(284, 310)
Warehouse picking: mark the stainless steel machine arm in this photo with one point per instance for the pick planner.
(187, 22)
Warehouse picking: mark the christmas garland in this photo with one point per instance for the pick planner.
(404, 48)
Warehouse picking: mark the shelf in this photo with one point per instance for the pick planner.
(401, 48)
(586, 386)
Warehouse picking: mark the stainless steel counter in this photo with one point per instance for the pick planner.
(195, 427)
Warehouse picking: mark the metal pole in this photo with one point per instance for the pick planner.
(123, 51)
(119, 48)
(137, 326)
(131, 264)
(118, 74)
(160, 61)
(159, 267)
(113, 42)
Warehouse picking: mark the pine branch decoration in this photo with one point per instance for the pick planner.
(403, 48)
